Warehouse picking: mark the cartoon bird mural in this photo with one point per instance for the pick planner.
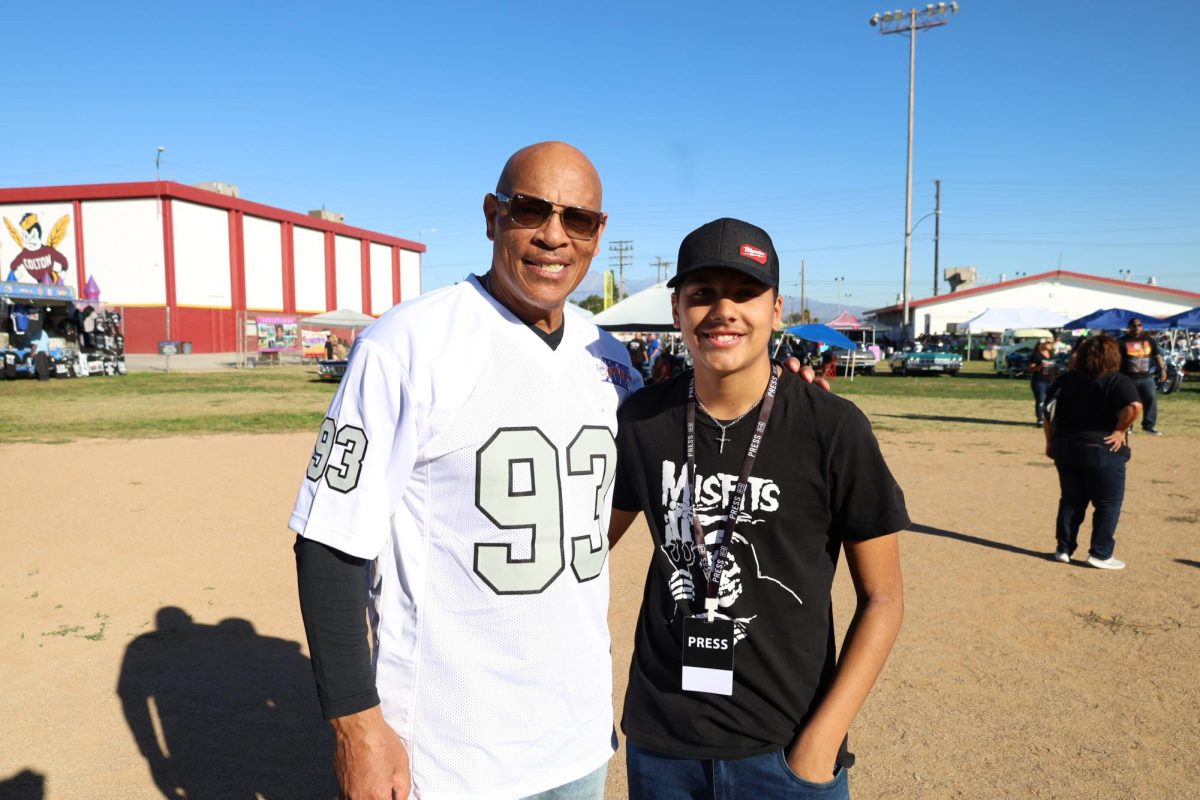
(41, 260)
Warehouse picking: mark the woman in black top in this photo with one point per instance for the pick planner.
(1042, 365)
(1094, 406)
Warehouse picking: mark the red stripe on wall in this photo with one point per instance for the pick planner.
(168, 223)
(237, 266)
(364, 261)
(289, 268)
(395, 275)
(77, 210)
(330, 272)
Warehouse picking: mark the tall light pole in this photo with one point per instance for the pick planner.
(838, 282)
(932, 15)
(157, 190)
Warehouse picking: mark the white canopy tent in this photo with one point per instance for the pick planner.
(341, 318)
(647, 310)
(996, 320)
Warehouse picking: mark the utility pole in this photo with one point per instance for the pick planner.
(931, 16)
(937, 229)
(803, 307)
(661, 269)
(620, 247)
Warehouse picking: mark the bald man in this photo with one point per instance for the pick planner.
(464, 507)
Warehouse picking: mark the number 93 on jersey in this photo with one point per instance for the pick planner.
(519, 485)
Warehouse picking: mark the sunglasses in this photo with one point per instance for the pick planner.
(532, 212)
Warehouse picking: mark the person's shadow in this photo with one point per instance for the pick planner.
(25, 785)
(220, 711)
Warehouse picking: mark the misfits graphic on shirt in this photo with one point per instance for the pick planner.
(744, 589)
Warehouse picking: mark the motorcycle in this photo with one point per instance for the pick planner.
(1175, 373)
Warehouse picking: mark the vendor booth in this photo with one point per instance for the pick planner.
(46, 331)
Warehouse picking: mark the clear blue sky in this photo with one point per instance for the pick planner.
(1068, 135)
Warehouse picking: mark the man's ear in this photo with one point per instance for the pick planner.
(778, 311)
(490, 206)
(675, 309)
(599, 233)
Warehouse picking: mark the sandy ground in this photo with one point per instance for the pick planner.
(151, 638)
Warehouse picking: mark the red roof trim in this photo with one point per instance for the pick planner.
(1033, 279)
(165, 189)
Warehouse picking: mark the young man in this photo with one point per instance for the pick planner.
(752, 482)
(478, 496)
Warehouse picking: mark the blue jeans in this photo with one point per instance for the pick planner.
(1039, 398)
(655, 776)
(1099, 480)
(1147, 392)
(589, 787)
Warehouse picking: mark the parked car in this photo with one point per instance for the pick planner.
(1013, 343)
(864, 361)
(933, 362)
(331, 369)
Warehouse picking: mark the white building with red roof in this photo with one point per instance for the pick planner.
(199, 264)
(1072, 294)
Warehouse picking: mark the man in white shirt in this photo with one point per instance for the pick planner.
(479, 500)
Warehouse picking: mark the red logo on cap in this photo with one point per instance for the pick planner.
(750, 251)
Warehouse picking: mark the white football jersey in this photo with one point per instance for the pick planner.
(473, 465)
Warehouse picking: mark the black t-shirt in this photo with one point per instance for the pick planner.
(1044, 369)
(1139, 354)
(637, 352)
(819, 479)
(1086, 408)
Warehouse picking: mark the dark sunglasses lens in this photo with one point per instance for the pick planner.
(529, 212)
(580, 223)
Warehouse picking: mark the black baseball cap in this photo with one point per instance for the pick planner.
(731, 244)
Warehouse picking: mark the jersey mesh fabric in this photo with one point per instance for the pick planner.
(493, 659)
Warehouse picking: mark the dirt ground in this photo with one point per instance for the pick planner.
(152, 645)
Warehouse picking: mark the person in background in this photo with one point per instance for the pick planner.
(1042, 367)
(637, 354)
(1094, 406)
(1139, 357)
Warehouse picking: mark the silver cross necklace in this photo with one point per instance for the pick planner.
(724, 426)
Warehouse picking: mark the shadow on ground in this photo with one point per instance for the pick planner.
(972, 420)
(25, 785)
(1188, 562)
(221, 711)
(969, 539)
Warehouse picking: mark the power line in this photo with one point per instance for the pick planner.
(621, 247)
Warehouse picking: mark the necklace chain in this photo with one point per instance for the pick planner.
(724, 426)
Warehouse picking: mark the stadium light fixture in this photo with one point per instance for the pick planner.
(910, 24)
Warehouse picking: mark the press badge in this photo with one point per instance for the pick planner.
(708, 655)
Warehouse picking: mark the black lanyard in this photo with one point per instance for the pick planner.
(721, 558)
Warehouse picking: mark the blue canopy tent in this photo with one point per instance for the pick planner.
(821, 333)
(824, 334)
(1114, 319)
(1187, 320)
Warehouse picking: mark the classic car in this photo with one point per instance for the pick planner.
(934, 361)
(864, 361)
(331, 369)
